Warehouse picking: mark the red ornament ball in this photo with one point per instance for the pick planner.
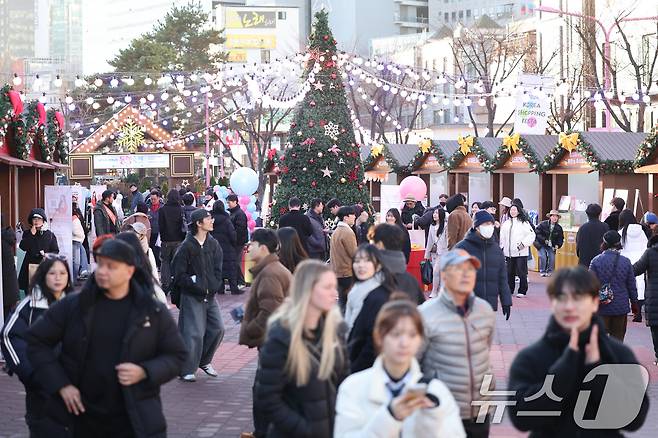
(333, 76)
(323, 122)
(326, 37)
(311, 161)
(312, 103)
(311, 124)
(294, 180)
(314, 183)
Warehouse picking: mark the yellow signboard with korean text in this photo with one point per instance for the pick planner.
(237, 55)
(250, 41)
(250, 19)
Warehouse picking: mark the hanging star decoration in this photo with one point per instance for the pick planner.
(318, 85)
(334, 149)
(131, 136)
(376, 150)
(425, 145)
(568, 141)
(511, 142)
(185, 183)
(331, 130)
(465, 144)
(326, 172)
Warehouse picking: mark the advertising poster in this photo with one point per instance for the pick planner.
(390, 199)
(532, 109)
(59, 212)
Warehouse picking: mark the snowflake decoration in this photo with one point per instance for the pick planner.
(131, 136)
(305, 206)
(331, 130)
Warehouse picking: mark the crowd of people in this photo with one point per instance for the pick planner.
(349, 344)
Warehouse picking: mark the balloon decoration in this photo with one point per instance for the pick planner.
(244, 181)
(413, 186)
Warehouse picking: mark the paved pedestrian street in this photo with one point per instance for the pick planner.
(221, 407)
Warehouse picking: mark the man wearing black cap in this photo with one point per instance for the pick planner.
(590, 235)
(106, 220)
(197, 272)
(118, 346)
(36, 242)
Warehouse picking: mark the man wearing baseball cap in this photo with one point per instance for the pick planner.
(197, 277)
(118, 346)
(459, 329)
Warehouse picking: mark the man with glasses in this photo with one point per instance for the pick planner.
(197, 271)
(459, 329)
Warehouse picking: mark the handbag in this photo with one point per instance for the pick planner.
(606, 294)
(426, 272)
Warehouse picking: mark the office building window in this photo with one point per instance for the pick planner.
(265, 56)
(438, 117)
(454, 16)
(282, 15)
(468, 13)
(461, 14)
(446, 16)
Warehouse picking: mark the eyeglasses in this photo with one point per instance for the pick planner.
(53, 256)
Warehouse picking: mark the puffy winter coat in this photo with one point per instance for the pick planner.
(514, 233)
(589, 239)
(9, 279)
(33, 244)
(317, 241)
(151, 340)
(300, 222)
(224, 232)
(457, 347)
(170, 221)
(543, 233)
(239, 219)
(362, 408)
(306, 411)
(440, 241)
(551, 355)
(491, 280)
(204, 262)
(648, 264)
(620, 278)
(360, 343)
(102, 222)
(633, 248)
(407, 213)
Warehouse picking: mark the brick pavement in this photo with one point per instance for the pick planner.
(222, 407)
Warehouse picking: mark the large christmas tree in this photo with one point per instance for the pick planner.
(322, 159)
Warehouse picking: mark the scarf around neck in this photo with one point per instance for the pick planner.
(357, 296)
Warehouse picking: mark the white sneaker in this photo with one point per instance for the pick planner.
(520, 295)
(208, 369)
(188, 378)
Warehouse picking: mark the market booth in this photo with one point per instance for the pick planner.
(647, 166)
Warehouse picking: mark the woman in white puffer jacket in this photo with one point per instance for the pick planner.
(634, 243)
(516, 237)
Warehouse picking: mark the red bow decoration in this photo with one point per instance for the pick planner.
(41, 110)
(16, 102)
(60, 119)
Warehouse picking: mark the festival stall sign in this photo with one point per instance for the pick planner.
(130, 161)
(532, 108)
(516, 155)
(430, 158)
(58, 203)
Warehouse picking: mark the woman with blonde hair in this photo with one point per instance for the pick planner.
(303, 359)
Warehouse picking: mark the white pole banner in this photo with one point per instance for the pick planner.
(532, 105)
(60, 212)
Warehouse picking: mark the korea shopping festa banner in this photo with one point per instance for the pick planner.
(532, 104)
(59, 212)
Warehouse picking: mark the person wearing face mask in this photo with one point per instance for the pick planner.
(574, 344)
(516, 236)
(491, 284)
(490, 207)
(35, 242)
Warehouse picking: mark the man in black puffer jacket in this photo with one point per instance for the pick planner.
(197, 277)
(491, 283)
(565, 366)
(171, 221)
(118, 346)
(590, 236)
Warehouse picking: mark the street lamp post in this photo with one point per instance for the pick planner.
(606, 45)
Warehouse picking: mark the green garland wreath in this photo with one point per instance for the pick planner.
(609, 167)
(24, 131)
(55, 137)
(6, 111)
(647, 148)
(503, 154)
(393, 163)
(485, 160)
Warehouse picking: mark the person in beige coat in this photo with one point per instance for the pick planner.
(459, 329)
(393, 399)
(459, 221)
(341, 252)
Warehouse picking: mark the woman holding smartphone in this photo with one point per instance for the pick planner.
(393, 399)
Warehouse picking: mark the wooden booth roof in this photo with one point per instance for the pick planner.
(113, 126)
(615, 145)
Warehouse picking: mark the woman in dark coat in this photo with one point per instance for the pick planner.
(224, 232)
(36, 242)
(303, 359)
(9, 280)
(648, 264)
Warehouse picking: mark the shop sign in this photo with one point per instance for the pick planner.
(516, 161)
(574, 160)
(238, 56)
(132, 161)
(381, 166)
(250, 19)
(263, 41)
(430, 165)
(470, 162)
